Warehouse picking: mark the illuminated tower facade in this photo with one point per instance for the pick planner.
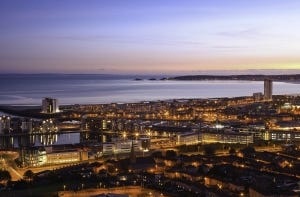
(50, 106)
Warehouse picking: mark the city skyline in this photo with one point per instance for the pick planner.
(148, 37)
(149, 98)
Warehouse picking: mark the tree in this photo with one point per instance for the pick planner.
(209, 150)
(4, 176)
(28, 175)
(157, 154)
(171, 154)
(232, 151)
(248, 151)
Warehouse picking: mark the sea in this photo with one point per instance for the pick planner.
(30, 89)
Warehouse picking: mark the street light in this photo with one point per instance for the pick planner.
(136, 135)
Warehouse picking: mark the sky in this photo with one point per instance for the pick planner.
(155, 36)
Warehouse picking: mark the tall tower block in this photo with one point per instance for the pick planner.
(268, 89)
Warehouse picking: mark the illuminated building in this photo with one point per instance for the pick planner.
(95, 124)
(26, 126)
(122, 146)
(228, 137)
(68, 156)
(290, 136)
(187, 138)
(108, 148)
(258, 96)
(33, 157)
(268, 89)
(69, 125)
(46, 156)
(50, 106)
(215, 137)
(4, 124)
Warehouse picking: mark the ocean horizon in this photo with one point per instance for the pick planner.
(30, 89)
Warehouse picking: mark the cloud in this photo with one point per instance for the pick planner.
(228, 47)
(244, 33)
(121, 39)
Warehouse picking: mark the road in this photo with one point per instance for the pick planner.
(7, 163)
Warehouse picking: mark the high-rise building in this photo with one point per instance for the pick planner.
(268, 89)
(50, 106)
(26, 126)
(4, 124)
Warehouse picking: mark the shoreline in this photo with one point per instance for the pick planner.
(37, 106)
(33, 111)
(290, 77)
(25, 106)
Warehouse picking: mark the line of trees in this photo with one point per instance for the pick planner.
(4, 176)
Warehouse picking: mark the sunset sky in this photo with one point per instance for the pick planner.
(123, 36)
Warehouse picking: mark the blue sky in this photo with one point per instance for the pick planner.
(148, 36)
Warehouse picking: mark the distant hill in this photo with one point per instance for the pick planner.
(295, 77)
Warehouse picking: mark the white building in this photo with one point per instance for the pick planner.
(35, 157)
(121, 146)
(50, 106)
(215, 137)
(188, 138)
(288, 136)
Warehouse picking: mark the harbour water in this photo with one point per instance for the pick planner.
(87, 89)
(39, 140)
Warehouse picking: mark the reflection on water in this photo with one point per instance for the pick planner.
(37, 140)
(47, 140)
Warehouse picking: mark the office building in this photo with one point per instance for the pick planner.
(268, 89)
(258, 96)
(288, 136)
(227, 137)
(4, 124)
(215, 137)
(50, 106)
(35, 157)
(26, 126)
(188, 138)
(121, 146)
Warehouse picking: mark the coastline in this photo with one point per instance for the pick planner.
(23, 92)
(34, 111)
(278, 78)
